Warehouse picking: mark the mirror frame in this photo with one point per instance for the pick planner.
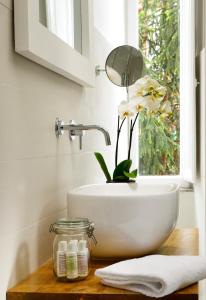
(34, 41)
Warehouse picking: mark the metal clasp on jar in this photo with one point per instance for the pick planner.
(51, 228)
(90, 233)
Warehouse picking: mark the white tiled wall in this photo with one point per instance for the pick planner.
(187, 211)
(36, 169)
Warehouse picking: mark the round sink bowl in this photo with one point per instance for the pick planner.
(131, 220)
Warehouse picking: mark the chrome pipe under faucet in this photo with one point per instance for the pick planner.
(78, 130)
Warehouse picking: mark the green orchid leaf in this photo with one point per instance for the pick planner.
(103, 165)
(132, 174)
(121, 168)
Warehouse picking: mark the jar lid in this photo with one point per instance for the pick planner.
(64, 225)
(70, 223)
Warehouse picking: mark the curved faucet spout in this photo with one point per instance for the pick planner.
(95, 127)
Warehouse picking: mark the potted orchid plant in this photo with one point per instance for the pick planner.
(149, 97)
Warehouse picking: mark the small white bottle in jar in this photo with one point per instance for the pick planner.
(75, 242)
(82, 258)
(61, 259)
(71, 261)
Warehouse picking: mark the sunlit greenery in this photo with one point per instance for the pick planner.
(159, 42)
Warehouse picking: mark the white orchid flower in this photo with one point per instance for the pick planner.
(139, 89)
(152, 106)
(161, 91)
(148, 94)
(147, 86)
(166, 109)
(138, 103)
(126, 110)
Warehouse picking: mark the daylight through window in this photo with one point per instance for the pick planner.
(159, 138)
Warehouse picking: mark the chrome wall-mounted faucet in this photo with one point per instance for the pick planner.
(75, 130)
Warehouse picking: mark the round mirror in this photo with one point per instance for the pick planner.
(124, 65)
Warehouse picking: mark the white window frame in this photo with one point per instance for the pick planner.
(37, 43)
(187, 175)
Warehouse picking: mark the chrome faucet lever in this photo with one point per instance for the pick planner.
(80, 142)
(78, 130)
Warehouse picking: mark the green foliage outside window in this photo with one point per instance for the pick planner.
(159, 43)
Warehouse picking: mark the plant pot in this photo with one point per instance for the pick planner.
(128, 181)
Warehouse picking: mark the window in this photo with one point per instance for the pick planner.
(165, 35)
(159, 42)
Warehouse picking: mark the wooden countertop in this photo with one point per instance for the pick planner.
(42, 284)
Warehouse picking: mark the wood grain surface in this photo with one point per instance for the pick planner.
(42, 284)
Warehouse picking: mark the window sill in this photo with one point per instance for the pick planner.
(184, 185)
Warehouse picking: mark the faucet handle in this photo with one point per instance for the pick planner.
(80, 141)
(77, 132)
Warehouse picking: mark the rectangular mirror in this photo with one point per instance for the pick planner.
(63, 18)
(58, 35)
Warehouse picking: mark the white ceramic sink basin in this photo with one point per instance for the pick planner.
(130, 219)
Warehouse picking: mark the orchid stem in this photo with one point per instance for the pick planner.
(117, 142)
(132, 124)
(130, 139)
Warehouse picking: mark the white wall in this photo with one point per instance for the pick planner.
(109, 19)
(36, 169)
(187, 211)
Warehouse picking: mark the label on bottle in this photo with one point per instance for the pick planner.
(72, 267)
(82, 264)
(61, 264)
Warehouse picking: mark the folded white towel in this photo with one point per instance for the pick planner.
(154, 275)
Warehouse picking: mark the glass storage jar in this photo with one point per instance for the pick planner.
(71, 248)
